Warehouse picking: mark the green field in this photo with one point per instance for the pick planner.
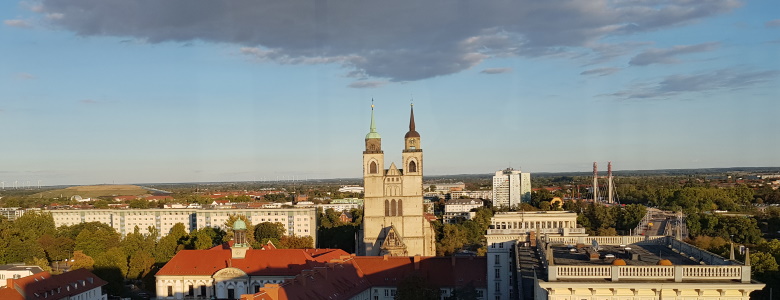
(93, 191)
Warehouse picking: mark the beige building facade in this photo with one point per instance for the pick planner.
(296, 221)
(394, 221)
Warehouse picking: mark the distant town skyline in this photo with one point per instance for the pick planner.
(249, 90)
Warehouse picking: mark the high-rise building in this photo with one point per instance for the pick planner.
(394, 222)
(511, 187)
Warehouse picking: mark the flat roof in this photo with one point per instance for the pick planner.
(645, 254)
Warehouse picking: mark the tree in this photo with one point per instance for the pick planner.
(56, 248)
(81, 261)
(96, 240)
(139, 203)
(201, 240)
(762, 262)
(41, 262)
(454, 237)
(416, 287)
(140, 264)
(113, 258)
(170, 244)
(135, 241)
(267, 230)
(296, 242)
(33, 225)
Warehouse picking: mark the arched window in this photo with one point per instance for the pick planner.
(412, 167)
(372, 168)
(400, 208)
(393, 209)
(387, 208)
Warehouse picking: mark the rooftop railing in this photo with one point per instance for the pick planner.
(672, 273)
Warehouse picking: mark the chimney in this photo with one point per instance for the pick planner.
(416, 260)
(385, 257)
(747, 256)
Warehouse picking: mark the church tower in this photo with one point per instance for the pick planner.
(393, 220)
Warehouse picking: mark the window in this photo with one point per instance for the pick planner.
(190, 291)
(387, 208)
(400, 208)
(372, 168)
(498, 273)
(412, 167)
(497, 258)
(393, 208)
(170, 291)
(203, 290)
(500, 245)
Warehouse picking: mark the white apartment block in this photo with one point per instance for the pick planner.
(462, 205)
(511, 187)
(11, 213)
(486, 194)
(339, 207)
(445, 188)
(296, 221)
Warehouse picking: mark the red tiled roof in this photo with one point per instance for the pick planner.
(345, 278)
(277, 262)
(45, 286)
(440, 271)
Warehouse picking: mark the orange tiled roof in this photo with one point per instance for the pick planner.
(46, 286)
(347, 277)
(276, 262)
(440, 271)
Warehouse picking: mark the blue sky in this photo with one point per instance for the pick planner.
(120, 91)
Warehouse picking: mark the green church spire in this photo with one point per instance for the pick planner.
(373, 134)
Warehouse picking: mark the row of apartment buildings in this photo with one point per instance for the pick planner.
(296, 221)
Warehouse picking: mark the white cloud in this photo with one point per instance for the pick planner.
(724, 79)
(600, 71)
(669, 56)
(17, 23)
(399, 40)
(496, 70)
(773, 23)
(25, 76)
(367, 84)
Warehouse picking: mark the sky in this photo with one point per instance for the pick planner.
(117, 91)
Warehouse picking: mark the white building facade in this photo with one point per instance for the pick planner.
(296, 221)
(511, 187)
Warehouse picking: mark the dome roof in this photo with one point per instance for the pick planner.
(239, 225)
(619, 262)
(664, 262)
(412, 133)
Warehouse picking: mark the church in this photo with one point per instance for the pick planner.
(394, 220)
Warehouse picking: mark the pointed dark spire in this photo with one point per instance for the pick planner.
(412, 132)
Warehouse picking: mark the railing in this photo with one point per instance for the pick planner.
(676, 273)
(606, 240)
(698, 254)
(538, 231)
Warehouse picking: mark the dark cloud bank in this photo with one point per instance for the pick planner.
(400, 40)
